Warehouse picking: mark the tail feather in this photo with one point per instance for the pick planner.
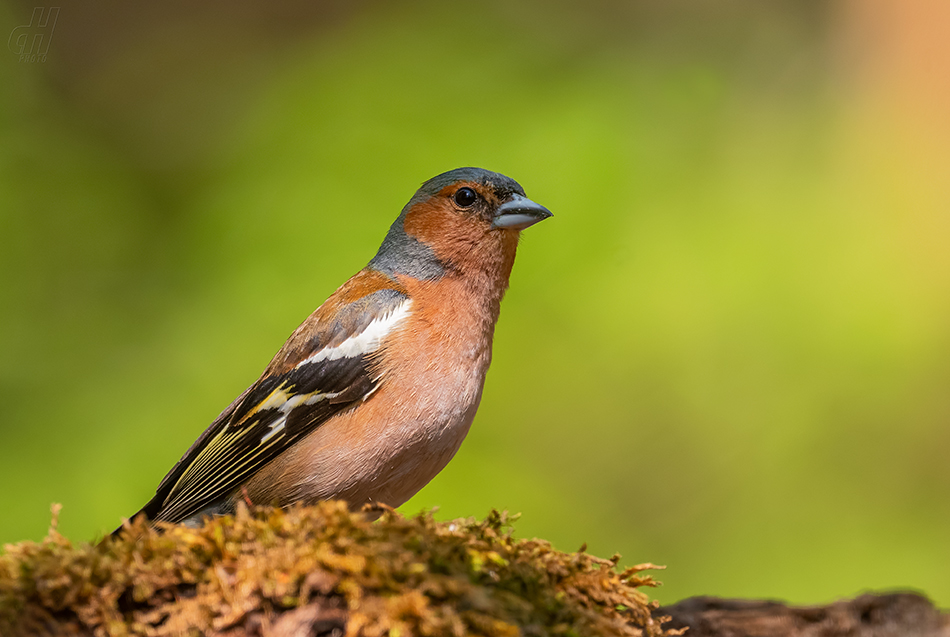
(150, 511)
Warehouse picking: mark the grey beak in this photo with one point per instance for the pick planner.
(518, 213)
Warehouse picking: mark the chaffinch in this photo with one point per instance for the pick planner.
(373, 394)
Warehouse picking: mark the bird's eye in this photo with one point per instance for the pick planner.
(465, 197)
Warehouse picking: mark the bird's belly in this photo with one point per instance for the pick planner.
(403, 460)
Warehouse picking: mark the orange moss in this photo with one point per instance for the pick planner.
(322, 568)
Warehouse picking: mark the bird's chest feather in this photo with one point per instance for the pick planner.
(434, 370)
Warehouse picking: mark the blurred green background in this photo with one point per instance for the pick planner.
(729, 352)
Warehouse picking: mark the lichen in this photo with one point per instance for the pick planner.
(319, 570)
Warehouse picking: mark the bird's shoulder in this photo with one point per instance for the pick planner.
(369, 299)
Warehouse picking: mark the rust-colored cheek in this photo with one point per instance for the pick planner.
(428, 221)
(449, 234)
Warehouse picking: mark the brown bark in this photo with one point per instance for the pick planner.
(871, 615)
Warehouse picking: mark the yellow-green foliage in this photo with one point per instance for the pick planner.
(397, 576)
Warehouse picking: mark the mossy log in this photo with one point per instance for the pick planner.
(319, 571)
(322, 570)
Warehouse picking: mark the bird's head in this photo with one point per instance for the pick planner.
(462, 220)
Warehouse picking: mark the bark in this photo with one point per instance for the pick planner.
(871, 615)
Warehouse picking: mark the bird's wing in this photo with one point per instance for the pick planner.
(325, 367)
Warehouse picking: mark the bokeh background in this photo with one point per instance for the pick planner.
(729, 352)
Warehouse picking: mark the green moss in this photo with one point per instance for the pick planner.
(323, 568)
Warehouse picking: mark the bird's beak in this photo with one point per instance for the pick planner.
(518, 213)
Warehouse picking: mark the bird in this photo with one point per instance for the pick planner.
(373, 394)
